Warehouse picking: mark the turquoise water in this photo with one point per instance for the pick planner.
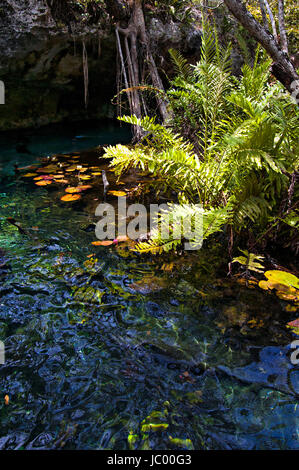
(62, 138)
(97, 344)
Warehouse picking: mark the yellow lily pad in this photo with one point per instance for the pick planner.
(285, 285)
(62, 181)
(102, 243)
(43, 182)
(70, 197)
(283, 277)
(73, 190)
(59, 176)
(85, 177)
(117, 193)
(291, 308)
(269, 285)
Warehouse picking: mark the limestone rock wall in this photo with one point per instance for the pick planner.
(41, 63)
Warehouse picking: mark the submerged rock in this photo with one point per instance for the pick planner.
(274, 370)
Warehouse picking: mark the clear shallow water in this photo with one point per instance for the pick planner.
(94, 349)
(22, 147)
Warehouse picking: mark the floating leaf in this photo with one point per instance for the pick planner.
(291, 308)
(85, 187)
(117, 193)
(85, 177)
(288, 297)
(283, 277)
(70, 197)
(265, 285)
(270, 285)
(294, 325)
(58, 176)
(102, 243)
(122, 238)
(285, 284)
(96, 173)
(43, 177)
(43, 182)
(73, 190)
(61, 181)
(29, 175)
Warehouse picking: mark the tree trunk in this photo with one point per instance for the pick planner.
(264, 14)
(139, 22)
(282, 68)
(136, 30)
(272, 20)
(282, 29)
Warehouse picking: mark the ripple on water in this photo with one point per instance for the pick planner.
(91, 353)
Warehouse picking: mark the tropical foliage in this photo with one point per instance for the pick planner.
(229, 149)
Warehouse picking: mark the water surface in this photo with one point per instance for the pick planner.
(99, 347)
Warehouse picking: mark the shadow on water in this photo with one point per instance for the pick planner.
(103, 344)
(23, 146)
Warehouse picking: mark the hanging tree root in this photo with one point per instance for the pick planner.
(135, 38)
(85, 73)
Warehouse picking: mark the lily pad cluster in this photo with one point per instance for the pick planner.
(76, 176)
(285, 284)
(286, 287)
(69, 173)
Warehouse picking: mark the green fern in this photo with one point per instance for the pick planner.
(209, 222)
(182, 67)
(250, 261)
(230, 145)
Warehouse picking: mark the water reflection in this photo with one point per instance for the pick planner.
(97, 352)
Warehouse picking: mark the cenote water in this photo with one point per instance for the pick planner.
(101, 342)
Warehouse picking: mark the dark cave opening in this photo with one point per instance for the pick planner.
(46, 85)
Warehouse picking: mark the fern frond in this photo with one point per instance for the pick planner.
(202, 224)
(182, 67)
(250, 261)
